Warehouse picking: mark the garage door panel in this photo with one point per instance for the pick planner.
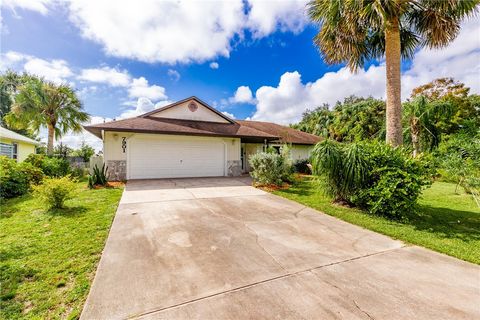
(174, 157)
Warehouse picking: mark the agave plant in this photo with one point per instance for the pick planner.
(98, 177)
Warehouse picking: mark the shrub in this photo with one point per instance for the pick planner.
(374, 176)
(33, 174)
(55, 167)
(301, 166)
(98, 177)
(51, 166)
(13, 181)
(55, 191)
(270, 168)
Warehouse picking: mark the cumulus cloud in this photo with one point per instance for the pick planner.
(140, 88)
(286, 102)
(228, 114)
(40, 6)
(142, 106)
(173, 74)
(164, 31)
(106, 75)
(266, 17)
(214, 65)
(243, 94)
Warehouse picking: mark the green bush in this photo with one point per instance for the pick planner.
(13, 180)
(374, 176)
(270, 168)
(33, 174)
(55, 191)
(51, 166)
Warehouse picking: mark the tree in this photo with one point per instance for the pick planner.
(356, 31)
(423, 118)
(41, 103)
(85, 151)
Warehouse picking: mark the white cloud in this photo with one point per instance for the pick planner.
(214, 65)
(40, 6)
(173, 74)
(143, 105)
(243, 94)
(160, 31)
(228, 114)
(265, 17)
(107, 75)
(53, 70)
(286, 102)
(140, 88)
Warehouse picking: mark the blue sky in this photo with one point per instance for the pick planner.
(252, 59)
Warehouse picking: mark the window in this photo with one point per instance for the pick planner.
(15, 151)
(6, 150)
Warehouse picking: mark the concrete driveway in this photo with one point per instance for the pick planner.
(216, 248)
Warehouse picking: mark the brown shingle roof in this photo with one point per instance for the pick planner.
(253, 131)
(284, 133)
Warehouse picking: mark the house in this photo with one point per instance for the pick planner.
(16, 146)
(189, 138)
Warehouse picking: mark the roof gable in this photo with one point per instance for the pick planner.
(8, 134)
(190, 109)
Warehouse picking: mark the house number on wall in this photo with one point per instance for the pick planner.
(124, 144)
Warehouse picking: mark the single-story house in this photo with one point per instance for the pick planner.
(15, 145)
(189, 138)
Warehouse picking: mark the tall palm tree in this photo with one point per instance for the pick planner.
(42, 103)
(355, 31)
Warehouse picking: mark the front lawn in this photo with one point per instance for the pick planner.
(445, 222)
(48, 259)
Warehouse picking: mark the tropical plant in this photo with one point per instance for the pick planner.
(270, 168)
(13, 181)
(53, 192)
(373, 176)
(356, 31)
(41, 103)
(51, 166)
(99, 177)
(423, 118)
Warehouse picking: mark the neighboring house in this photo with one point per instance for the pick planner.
(190, 139)
(16, 146)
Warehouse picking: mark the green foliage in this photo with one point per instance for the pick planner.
(376, 177)
(33, 174)
(55, 191)
(13, 180)
(458, 158)
(270, 168)
(51, 166)
(353, 120)
(85, 151)
(98, 177)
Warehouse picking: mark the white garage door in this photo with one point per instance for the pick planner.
(160, 156)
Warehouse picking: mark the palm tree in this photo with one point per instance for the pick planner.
(42, 103)
(355, 31)
(422, 117)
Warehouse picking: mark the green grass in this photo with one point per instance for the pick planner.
(48, 259)
(445, 221)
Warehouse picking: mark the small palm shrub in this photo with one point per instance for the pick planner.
(270, 168)
(374, 176)
(55, 191)
(98, 177)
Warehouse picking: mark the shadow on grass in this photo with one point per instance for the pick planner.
(67, 211)
(447, 223)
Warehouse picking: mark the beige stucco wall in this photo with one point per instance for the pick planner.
(183, 112)
(112, 145)
(24, 148)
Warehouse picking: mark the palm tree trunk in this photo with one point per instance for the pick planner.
(51, 133)
(415, 133)
(394, 99)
